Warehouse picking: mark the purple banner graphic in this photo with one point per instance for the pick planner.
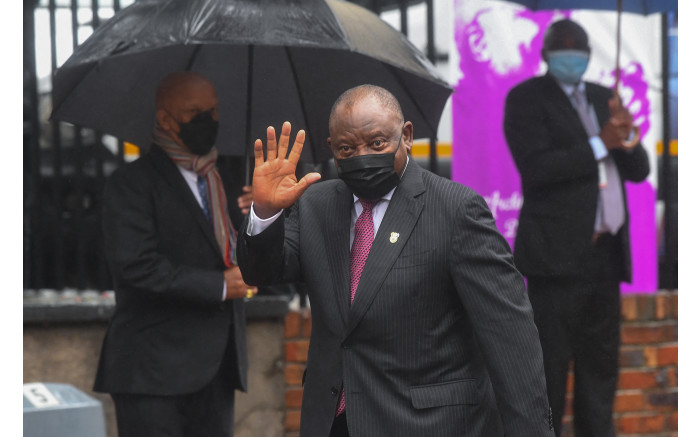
(499, 48)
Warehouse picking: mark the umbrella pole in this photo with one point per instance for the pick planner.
(635, 129)
(248, 116)
(619, 37)
(301, 102)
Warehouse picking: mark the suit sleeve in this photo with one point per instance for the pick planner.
(132, 247)
(270, 257)
(542, 157)
(634, 165)
(494, 296)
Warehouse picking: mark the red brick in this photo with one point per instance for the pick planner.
(306, 325)
(674, 305)
(672, 421)
(668, 355)
(635, 379)
(672, 377)
(292, 398)
(632, 356)
(569, 405)
(667, 401)
(570, 382)
(292, 419)
(296, 351)
(651, 356)
(629, 402)
(641, 423)
(629, 308)
(645, 334)
(292, 324)
(663, 306)
(645, 306)
(293, 374)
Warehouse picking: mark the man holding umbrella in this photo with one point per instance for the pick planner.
(421, 323)
(571, 141)
(175, 349)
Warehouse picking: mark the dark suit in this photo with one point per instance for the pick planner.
(573, 282)
(439, 340)
(171, 333)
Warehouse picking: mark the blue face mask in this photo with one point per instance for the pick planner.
(567, 65)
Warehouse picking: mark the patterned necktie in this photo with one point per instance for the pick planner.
(202, 187)
(611, 207)
(361, 245)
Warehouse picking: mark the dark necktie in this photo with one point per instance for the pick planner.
(202, 187)
(361, 245)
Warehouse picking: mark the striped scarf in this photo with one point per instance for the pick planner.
(205, 167)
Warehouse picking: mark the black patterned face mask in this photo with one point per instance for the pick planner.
(199, 135)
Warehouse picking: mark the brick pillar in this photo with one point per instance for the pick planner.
(297, 330)
(646, 402)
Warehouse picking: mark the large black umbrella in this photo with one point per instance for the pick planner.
(270, 61)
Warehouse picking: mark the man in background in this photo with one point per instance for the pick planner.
(175, 349)
(571, 142)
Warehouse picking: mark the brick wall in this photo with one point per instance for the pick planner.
(647, 397)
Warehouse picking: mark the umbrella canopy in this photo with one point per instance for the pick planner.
(635, 6)
(270, 61)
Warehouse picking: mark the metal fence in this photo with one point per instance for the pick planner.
(65, 166)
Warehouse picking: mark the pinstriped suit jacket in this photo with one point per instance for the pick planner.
(439, 340)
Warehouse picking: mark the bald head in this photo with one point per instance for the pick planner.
(565, 35)
(177, 83)
(351, 97)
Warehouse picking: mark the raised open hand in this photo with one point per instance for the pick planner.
(275, 185)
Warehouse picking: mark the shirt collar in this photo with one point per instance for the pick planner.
(569, 88)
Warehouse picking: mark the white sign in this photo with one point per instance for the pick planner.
(39, 395)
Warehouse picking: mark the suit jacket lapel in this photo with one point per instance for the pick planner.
(400, 219)
(558, 98)
(336, 233)
(168, 170)
(600, 104)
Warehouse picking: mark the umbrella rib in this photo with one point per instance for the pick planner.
(190, 63)
(301, 98)
(412, 98)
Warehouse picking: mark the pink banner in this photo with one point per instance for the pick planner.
(498, 50)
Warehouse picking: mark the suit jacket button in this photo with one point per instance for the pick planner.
(334, 391)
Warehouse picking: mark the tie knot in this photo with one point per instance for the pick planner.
(368, 204)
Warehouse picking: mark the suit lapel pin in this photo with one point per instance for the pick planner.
(394, 237)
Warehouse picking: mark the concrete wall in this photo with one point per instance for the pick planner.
(68, 353)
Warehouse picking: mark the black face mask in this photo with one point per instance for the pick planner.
(199, 135)
(369, 176)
